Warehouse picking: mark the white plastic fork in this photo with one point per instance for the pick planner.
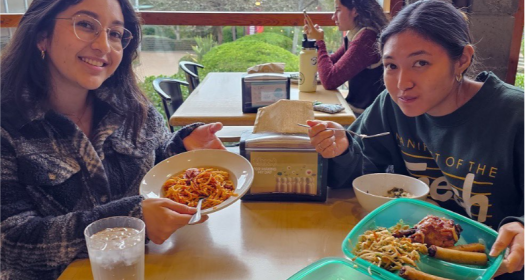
(197, 216)
(363, 136)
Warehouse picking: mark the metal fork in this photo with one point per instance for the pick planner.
(363, 136)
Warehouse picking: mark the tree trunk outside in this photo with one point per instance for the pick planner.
(217, 31)
(176, 30)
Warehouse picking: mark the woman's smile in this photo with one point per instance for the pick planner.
(94, 61)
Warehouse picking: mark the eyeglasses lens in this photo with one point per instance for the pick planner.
(88, 29)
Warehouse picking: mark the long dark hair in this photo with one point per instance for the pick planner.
(437, 21)
(23, 70)
(370, 13)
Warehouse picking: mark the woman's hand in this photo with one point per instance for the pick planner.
(328, 143)
(203, 137)
(509, 235)
(163, 217)
(313, 31)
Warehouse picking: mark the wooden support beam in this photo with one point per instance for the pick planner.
(10, 20)
(515, 45)
(212, 18)
(234, 18)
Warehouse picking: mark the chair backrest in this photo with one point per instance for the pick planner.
(170, 93)
(191, 71)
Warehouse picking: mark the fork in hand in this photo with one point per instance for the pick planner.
(197, 216)
(363, 136)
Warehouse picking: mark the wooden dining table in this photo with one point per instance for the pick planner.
(250, 240)
(218, 98)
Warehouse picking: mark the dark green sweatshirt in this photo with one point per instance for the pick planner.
(472, 159)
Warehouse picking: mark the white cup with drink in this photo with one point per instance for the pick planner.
(116, 248)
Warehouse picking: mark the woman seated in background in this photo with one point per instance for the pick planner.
(78, 135)
(357, 61)
(462, 136)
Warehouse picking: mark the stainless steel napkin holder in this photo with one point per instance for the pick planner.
(263, 89)
(287, 167)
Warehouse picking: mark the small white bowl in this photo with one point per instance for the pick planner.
(371, 189)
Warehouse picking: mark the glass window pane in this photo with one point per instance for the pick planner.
(218, 49)
(14, 6)
(5, 35)
(225, 49)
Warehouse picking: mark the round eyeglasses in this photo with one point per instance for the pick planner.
(88, 29)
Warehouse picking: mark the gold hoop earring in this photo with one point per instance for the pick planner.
(43, 54)
(459, 78)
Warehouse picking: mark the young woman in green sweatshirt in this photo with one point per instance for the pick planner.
(462, 136)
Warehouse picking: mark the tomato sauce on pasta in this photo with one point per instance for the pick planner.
(193, 183)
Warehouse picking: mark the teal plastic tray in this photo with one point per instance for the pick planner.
(411, 211)
(330, 269)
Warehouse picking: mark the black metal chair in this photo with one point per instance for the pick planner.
(191, 72)
(170, 92)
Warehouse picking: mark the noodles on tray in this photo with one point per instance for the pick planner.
(190, 185)
(384, 250)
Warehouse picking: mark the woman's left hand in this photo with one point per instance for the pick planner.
(313, 31)
(509, 235)
(203, 137)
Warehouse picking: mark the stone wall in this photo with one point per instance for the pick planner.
(491, 25)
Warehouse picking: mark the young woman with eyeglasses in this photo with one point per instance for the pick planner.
(78, 135)
(462, 136)
(356, 61)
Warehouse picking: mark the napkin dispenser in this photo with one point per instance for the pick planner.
(263, 89)
(287, 167)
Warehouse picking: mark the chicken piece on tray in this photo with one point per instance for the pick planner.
(433, 230)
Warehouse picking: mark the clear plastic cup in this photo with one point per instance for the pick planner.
(116, 248)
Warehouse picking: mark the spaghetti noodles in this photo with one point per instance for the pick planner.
(194, 183)
(384, 250)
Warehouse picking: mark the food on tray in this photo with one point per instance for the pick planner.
(456, 256)
(194, 183)
(433, 230)
(381, 248)
(473, 247)
(411, 273)
(399, 247)
(396, 192)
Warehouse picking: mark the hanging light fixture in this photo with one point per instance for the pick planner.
(257, 3)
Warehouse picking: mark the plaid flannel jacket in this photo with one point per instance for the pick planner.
(56, 181)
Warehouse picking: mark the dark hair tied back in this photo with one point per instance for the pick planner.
(370, 13)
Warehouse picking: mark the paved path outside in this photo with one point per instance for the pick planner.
(158, 63)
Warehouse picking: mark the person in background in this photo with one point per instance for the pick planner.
(462, 136)
(78, 135)
(357, 61)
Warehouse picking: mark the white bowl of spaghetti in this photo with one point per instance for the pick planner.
(219, 176)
